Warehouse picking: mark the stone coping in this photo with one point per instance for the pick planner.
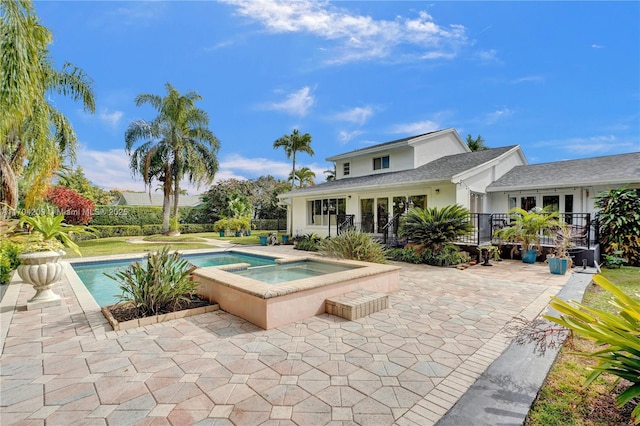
(266, 291)
(155, 319)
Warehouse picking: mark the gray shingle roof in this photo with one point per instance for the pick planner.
(142, 199)
(612, 169)
(441, 169)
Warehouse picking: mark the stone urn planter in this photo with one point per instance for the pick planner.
(41, 269)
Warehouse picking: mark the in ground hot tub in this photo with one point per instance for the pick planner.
(292, 290)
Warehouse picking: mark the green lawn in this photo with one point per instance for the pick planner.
(120, 245)
(563, 400)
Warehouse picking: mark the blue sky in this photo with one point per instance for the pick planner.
(561, 79)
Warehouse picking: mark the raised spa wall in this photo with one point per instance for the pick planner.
(273, 305)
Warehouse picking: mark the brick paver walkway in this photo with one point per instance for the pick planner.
(405, 365)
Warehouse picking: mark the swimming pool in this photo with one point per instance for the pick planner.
(105, 290)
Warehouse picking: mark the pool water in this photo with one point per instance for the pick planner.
(105, 290)
(275, 274)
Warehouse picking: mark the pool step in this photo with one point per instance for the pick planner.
(356, 304)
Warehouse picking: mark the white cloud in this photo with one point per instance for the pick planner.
(488, 55)
(415, 128)
(529, 79)
(600, 144)
(356, 37)
(358, 115)
(497, 115)
(346, 136)
(296, 103)
(111, 118)
(597, 46)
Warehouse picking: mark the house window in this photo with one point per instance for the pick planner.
(346, 169)
(319, 212)
(551, 202)
(381, 163)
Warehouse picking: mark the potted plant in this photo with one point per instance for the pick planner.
(560, 260)
(221, 226)
(526, 229)
(487, 252)
(40, 260)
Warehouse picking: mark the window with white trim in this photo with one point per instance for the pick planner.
(381, 163)
(346, 169)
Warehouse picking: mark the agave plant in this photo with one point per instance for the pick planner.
(51, 233)
(434, 227)
(619, 334)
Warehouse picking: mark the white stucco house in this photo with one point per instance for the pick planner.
(374, 184)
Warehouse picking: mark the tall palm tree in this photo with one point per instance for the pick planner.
(476, 144)
(305, 177)
(292, 144)
(177, 144)
(32, 131)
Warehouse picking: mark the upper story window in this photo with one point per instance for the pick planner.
(381, 163)
(346, 169)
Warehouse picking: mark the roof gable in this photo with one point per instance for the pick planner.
(444, 168)
(395, 144)
(155, 200)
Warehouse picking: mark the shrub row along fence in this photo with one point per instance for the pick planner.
(129, 221)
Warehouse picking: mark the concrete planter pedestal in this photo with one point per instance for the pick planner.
(41, 269)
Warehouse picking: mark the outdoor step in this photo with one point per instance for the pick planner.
(356, 304)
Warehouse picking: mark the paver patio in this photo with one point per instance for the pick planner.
(405, 365)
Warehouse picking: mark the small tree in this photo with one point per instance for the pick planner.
(77, 210)
(619, 222)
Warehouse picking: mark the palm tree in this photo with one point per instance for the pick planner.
(476, 144)
(32, 131)
(330, 174)
(305, 177)
(177, 144)
(292, 144)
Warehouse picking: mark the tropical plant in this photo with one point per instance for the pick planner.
(34, 136)
(618, 335)
(221, 225)
(175, 144)
(619, 222)
(434, 227)
(527, 227)
(307, 242)
(162, 284)
(51, 233)
(476, 144)
(330, 174)
(305, 177)
(292, 144)
(9, 251)
(355, 245)
(77, 210)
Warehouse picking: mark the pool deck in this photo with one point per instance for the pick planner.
(406, 365)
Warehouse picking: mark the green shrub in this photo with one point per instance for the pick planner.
(194, 228)
(619, 353)
(151, 229)
(433, 227)
(354, 245)
(307, 242)
(160, 285)
(407, 255)
(619, 221)
(448, 255)
(126, 215)
(9, 252)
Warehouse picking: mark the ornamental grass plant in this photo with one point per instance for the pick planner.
(160, 285)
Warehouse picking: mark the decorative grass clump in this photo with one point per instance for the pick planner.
(160, 285)
(353, 245)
